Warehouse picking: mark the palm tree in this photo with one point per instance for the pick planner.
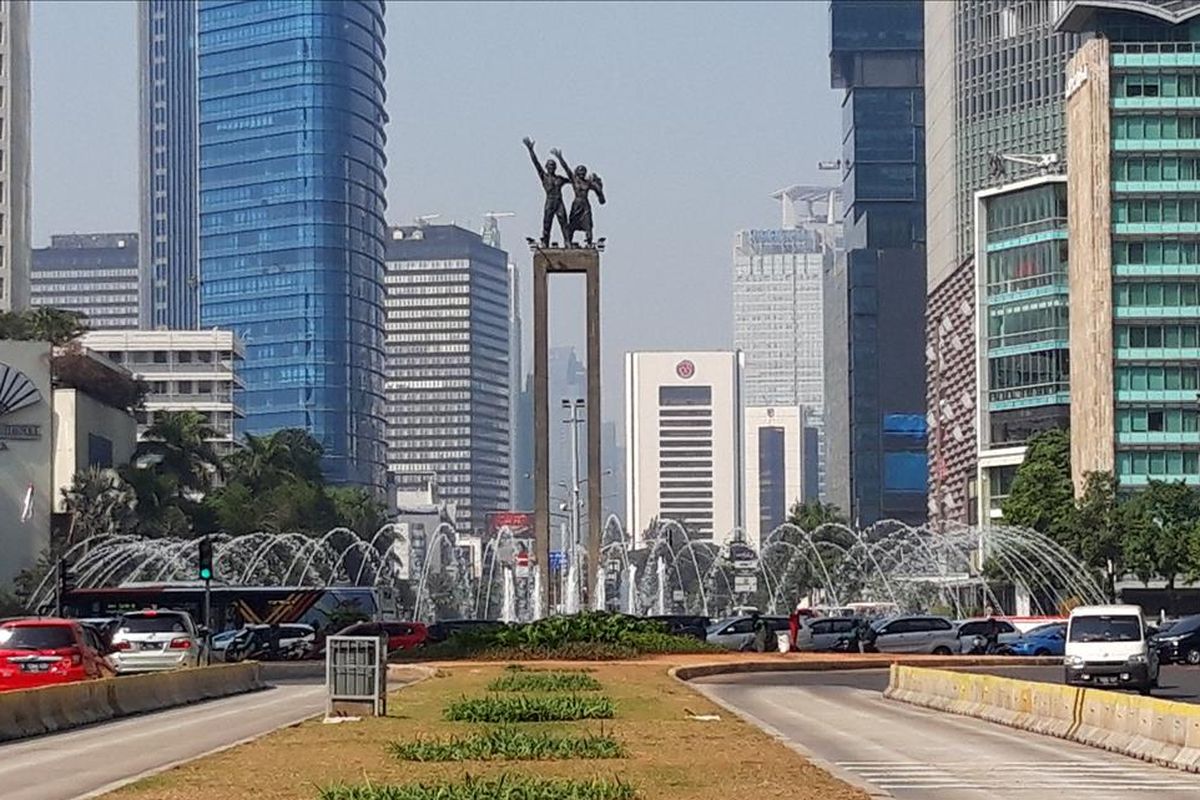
(100, 503)
(44, 324)
(265, 462)
(180, 442)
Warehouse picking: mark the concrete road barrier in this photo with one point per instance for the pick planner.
(32, 712)
(1161, 731)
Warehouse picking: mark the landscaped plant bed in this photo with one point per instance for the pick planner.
(531, 708)
(589, 636)
(533, 681)
(504, 787)
(670, 755)
(509, 744)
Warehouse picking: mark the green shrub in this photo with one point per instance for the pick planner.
(520, 681)
(530, 708)
(590, 636)
(505, 787)
(509, 744)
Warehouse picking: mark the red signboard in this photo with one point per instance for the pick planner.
(519, 522)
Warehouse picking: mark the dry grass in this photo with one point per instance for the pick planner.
(670, 756)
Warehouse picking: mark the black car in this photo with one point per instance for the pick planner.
(684, 625)
(1180, 642)
(441, 631)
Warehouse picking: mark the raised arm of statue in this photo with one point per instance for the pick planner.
(533, 157)
(598, 188)
(558, 154)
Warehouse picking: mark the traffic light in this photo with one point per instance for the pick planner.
(206, 559)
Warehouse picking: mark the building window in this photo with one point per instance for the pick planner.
(100, 452)
(772, 478)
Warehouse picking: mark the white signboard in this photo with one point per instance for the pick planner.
(745, 583)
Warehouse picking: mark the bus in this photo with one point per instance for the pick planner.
(232, 607)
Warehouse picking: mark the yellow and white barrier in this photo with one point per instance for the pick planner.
(32, 712)
(1162, 731)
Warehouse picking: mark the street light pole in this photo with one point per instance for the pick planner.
(575, 420)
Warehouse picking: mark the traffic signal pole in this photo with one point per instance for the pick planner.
(205, 568)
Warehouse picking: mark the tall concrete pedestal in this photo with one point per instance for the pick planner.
(563, 261)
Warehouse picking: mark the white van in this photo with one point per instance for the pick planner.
(1107, 646)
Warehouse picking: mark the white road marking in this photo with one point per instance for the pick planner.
(1019, 776)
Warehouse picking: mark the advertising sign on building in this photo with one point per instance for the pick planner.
(519, 522)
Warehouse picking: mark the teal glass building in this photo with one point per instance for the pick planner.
(1133, 132)
(291, 152)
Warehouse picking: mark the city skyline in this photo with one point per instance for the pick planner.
(435, 165)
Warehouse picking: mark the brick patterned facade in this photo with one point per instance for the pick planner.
(950, 394)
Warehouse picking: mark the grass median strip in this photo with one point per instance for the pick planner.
(511, 744)
(504, 787)
(530, 708)
(518, 681)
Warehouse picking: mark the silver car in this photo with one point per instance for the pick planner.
(737, 633)
(823, 633)
(971, 628)
(152, 640)
(916, 634)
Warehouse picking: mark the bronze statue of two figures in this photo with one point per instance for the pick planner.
(580, 218)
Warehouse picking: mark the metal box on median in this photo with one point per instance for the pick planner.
(356, 676)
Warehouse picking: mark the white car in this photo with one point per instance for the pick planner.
(1108, 646)
(153, 641)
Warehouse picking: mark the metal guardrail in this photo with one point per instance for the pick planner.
(356, 674)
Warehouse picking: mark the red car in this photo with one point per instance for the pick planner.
(401, 635)
(40, 652)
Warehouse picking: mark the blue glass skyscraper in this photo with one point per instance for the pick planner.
(292, 206)
(169, 283)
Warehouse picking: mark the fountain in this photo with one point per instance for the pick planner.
(599, 601)
(536, 611)
(661, 577)
(508, 608)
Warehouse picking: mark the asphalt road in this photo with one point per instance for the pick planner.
(90, 761)
(842, 721)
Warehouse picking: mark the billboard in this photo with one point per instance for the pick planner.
(519, 522)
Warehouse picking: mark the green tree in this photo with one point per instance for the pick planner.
(180, 443)
(357, 509)
(53, 325)
(298, 506)
(813, 514)
(1161, 531)
(158, 499)
(265, 462)
(99, 502)
(1099, 532)
(1042, 496)
(235, 509)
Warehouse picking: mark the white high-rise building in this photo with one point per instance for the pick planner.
(777, 307)
(14, 156)
(683, 442)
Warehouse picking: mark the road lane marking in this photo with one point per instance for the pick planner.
(1018, 776)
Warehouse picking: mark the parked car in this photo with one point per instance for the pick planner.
(443, 630)
(45, 651)
(1108, 646)
(1044, 640)
(969, 629)
(1179, 643)
(824, 633)
(684, 625)
(400, 635)
(915, 634)
(737, 633)
(154, 640)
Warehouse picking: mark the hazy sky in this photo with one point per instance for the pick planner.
(693, 113)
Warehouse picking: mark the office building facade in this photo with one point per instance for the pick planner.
(95, 274)
(168, 167)
(183, 371)
(1021, 291)
(1134, 216)
(292, 216)
(777, 305)
(14, 156)
(447, 371)
(684, 442)
(874, 297)
(994, 95)
(774, 471)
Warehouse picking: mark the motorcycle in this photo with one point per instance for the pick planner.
(981, 647)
